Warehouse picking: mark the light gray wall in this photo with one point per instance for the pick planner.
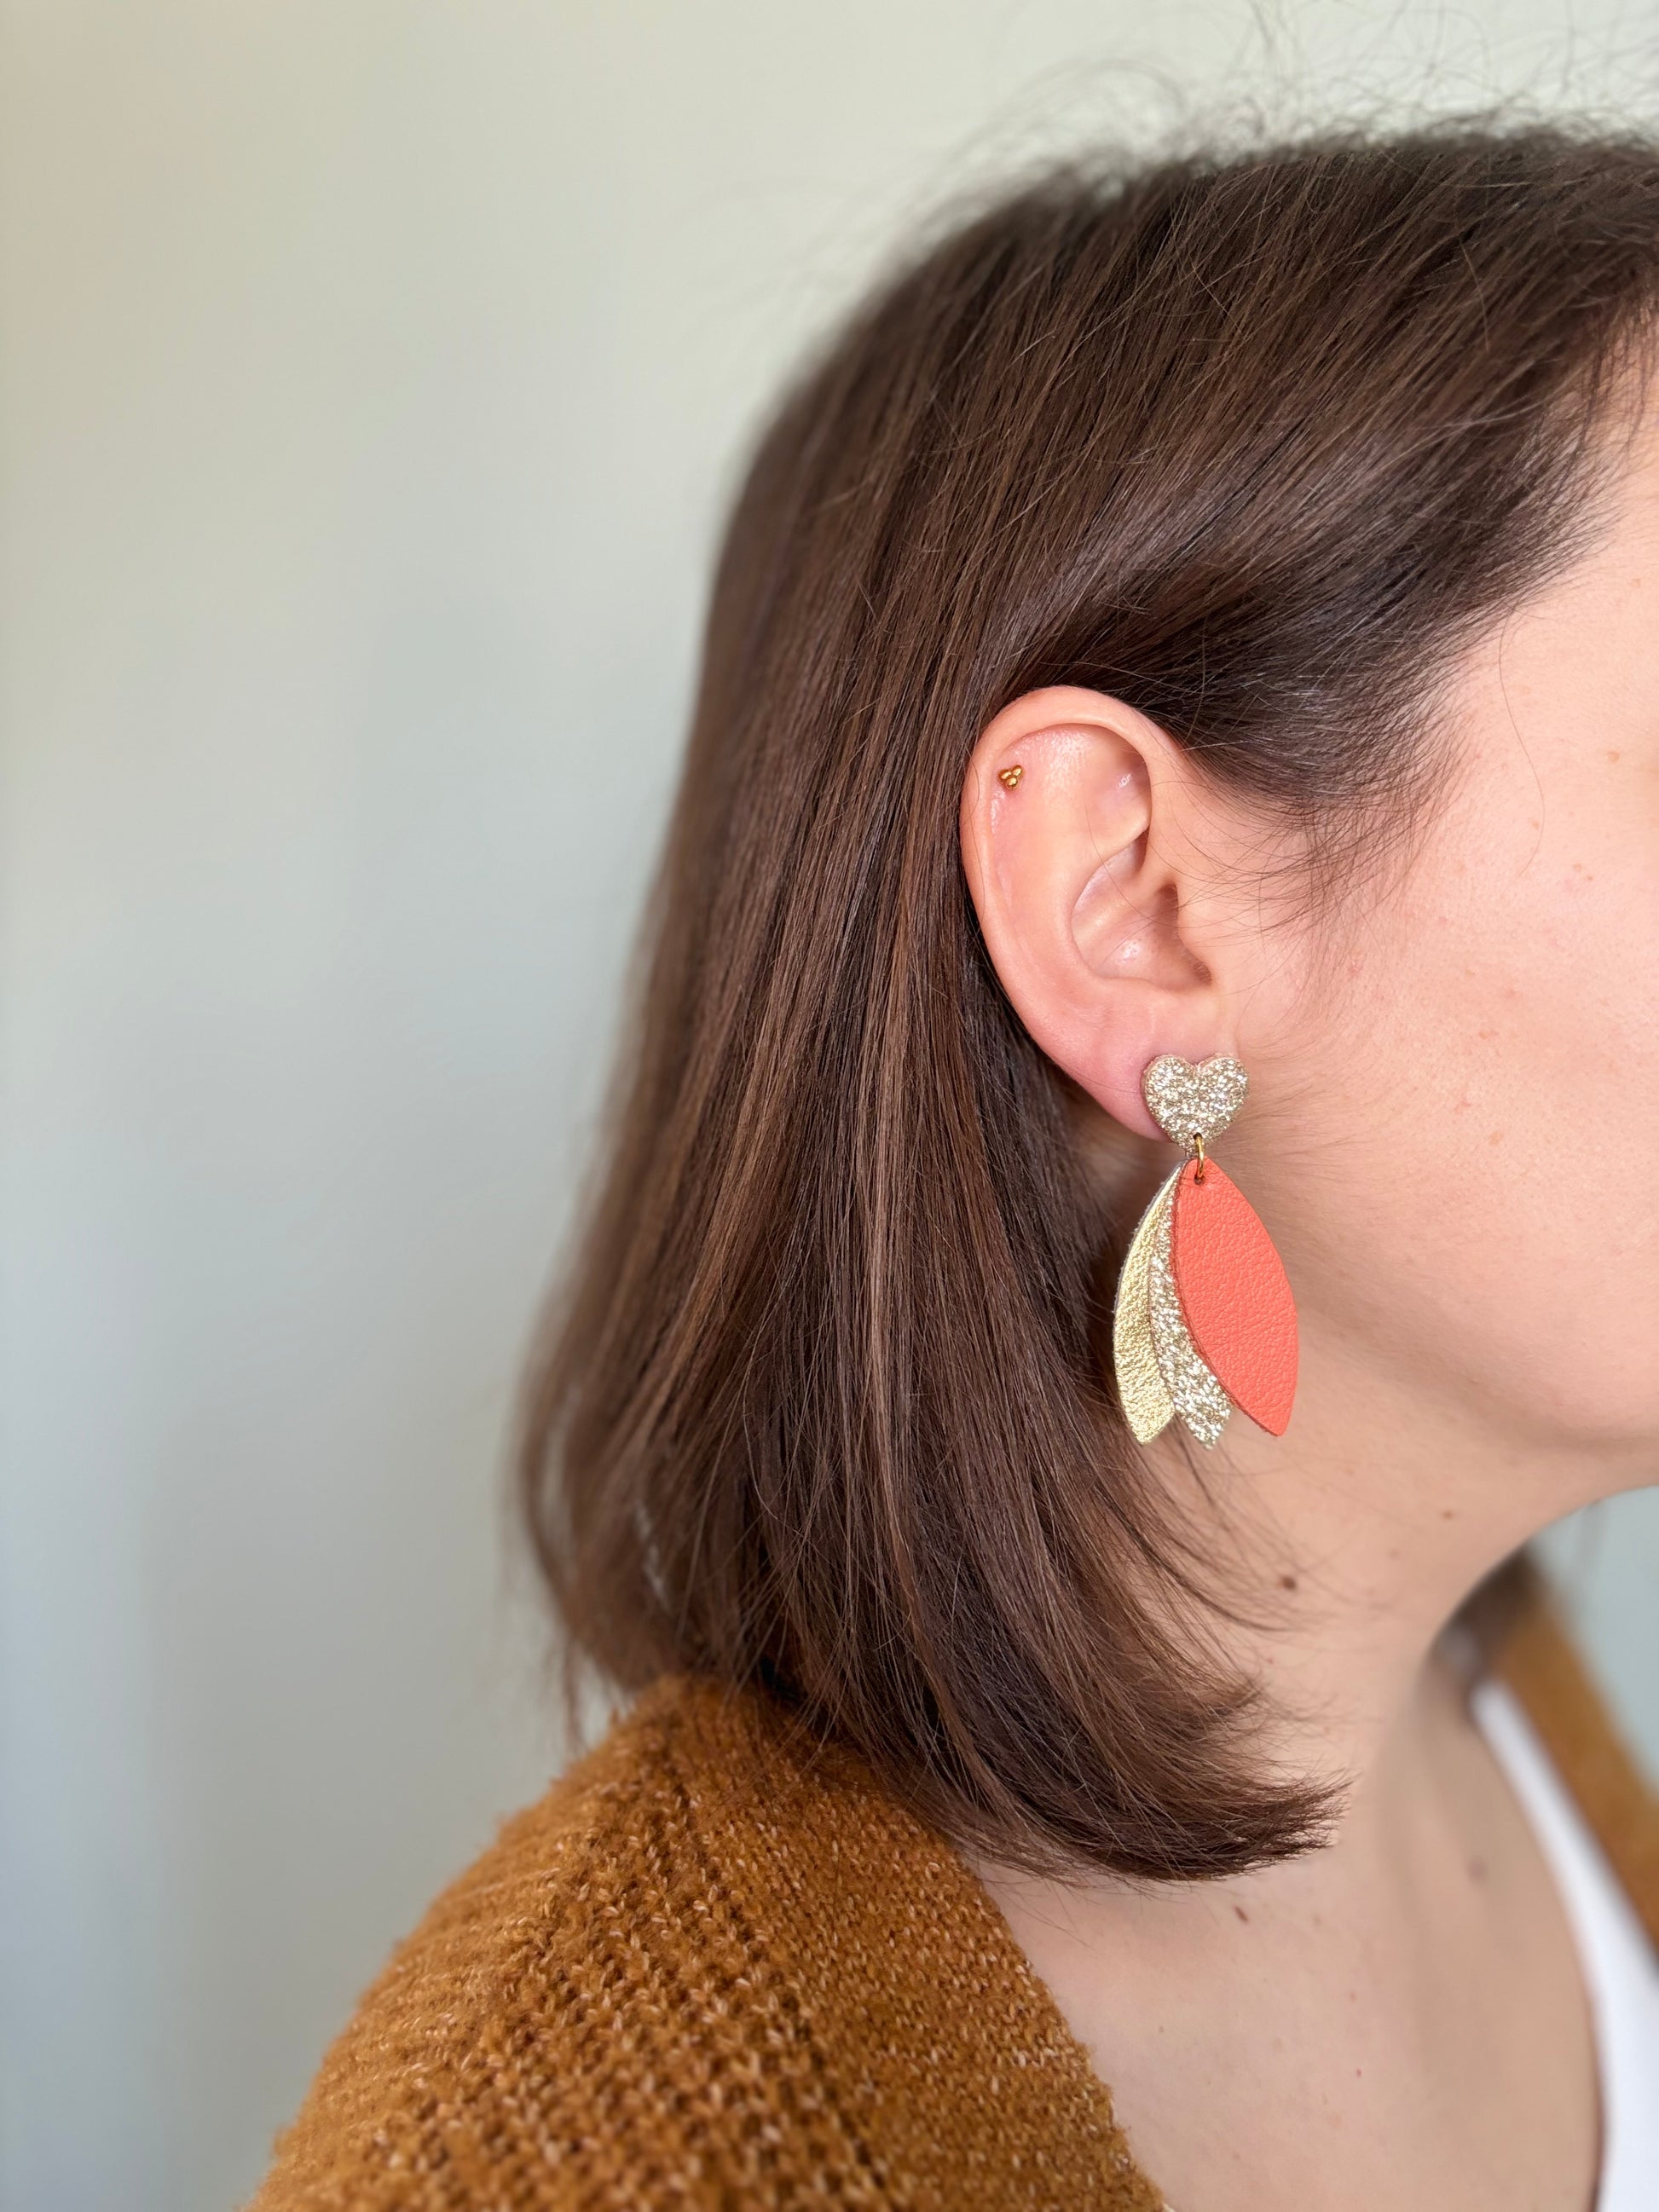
(371, 374)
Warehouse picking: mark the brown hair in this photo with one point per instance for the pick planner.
(1252, 443)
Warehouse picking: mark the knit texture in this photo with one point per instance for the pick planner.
(718, 1970)
(709, 1969)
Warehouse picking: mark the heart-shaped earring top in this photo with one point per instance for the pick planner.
(1187, 1101)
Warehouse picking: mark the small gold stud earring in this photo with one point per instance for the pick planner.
(1011, 777)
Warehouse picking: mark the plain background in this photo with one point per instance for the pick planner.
(373, 374)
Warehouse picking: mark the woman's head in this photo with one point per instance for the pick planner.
(1285, 519)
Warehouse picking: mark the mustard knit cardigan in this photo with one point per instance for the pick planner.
(706, 1972)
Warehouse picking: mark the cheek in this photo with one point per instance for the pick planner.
(1485, 1160)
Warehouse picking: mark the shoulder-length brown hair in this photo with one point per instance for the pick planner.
(1251, 443)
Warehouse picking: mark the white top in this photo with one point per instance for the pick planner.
(1619, 1964)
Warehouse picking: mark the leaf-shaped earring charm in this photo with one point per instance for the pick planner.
(1204, 1319)
(1140, 1384)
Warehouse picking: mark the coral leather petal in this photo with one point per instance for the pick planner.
(1235, 1296)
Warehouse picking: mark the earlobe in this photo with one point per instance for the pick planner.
(1078, 890)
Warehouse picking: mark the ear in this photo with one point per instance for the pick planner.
(1087, 879)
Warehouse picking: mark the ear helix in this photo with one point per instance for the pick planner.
(1204, 1319)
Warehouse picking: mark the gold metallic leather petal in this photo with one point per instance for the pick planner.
(1140, 1386)
(1199, 1399)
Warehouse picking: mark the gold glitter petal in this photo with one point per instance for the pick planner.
(1197, 1396)
(1147, 1401)
(1181, 1099)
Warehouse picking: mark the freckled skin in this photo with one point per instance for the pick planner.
(1536, 1294)
(1450, 1138)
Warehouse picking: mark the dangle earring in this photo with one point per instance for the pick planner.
(1204, 1319)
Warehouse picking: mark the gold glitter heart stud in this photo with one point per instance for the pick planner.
(1187, 1102)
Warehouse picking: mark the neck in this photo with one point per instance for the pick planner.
(1328, 1988)
(1354, 1537)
